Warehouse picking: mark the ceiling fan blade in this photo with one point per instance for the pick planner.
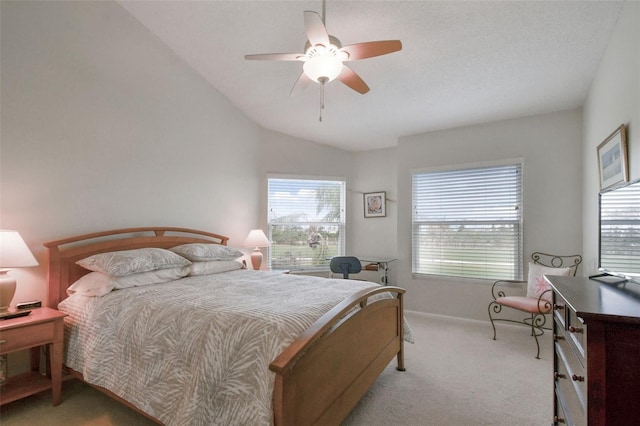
(353, 80)
(371, 49)
(301, 83)
(315, 29)
(276, 57)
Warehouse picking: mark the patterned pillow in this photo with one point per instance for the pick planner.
(127, 262)
(205, 252)
(151, 277)
(214, 267)
(536, 284)
(98, 284)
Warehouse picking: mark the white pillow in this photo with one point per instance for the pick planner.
(99, 284)
(536, 284)
(205, 252)
(127, 262)
(94, 284)
(214, 267)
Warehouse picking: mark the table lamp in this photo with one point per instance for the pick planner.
(256, 239)
(14, 253)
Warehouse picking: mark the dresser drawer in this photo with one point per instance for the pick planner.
(16, 339)
(560, 416)
(559, 310)
(576, 332)
(570, 382)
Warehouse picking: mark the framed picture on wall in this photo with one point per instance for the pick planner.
(375, 204)
(612, 159)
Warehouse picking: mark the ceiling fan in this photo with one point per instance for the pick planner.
(324, 56)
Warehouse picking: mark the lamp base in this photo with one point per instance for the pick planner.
(256, 258)
(7, 289)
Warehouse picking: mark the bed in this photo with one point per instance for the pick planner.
(324, 342)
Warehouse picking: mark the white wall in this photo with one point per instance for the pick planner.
(287, 155)
(104, 127)
(550, 146)
(614, 99)
(374, 171)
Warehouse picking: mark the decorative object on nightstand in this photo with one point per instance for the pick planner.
(256, 239)
(14, 253)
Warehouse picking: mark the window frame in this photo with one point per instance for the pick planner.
(515, 269)
(340, 224)
(618, 207)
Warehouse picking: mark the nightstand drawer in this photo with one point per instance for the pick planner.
(16, 339)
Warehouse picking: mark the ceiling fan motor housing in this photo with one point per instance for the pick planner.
(323, 63)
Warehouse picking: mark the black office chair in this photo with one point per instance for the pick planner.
(345, 265)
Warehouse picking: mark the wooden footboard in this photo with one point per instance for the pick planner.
(322, 375)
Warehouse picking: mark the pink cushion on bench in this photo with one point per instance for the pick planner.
(527, 304)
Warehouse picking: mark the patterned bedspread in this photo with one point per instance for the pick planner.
(197, 350)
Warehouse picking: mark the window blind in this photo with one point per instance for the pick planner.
(468, 222)
(306, 222)
(620, 230)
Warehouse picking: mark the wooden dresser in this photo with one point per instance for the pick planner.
(596, 352)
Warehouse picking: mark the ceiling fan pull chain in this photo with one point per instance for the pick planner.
(321, 98)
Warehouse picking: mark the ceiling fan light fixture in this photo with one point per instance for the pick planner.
(323, 65)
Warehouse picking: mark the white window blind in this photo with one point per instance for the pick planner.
(620, 230)
(468, 223)
(306, 222)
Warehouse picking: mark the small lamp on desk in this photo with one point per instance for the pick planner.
(14, 253)
(256, 239)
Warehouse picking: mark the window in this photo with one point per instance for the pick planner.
(468, 223)
(620, 231)
(306, 222)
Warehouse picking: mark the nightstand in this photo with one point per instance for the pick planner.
(43, 326)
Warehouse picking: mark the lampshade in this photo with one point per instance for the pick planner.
(256, 238)
(14, 253)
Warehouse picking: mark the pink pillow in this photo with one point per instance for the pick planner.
(536, 284)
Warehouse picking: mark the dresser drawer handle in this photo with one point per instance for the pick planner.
(557, 420)
(2, 341)
(557, 337)
(577, 378)
(575, 329)
(557, 375)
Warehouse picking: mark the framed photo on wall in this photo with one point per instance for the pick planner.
(612, 159)
(375, 204)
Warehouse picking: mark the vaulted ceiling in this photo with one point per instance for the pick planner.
(462, 62)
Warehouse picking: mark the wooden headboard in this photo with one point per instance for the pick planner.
(63, 254)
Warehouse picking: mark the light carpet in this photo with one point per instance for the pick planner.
(456, 375)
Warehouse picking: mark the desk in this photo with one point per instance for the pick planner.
(381, 262)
